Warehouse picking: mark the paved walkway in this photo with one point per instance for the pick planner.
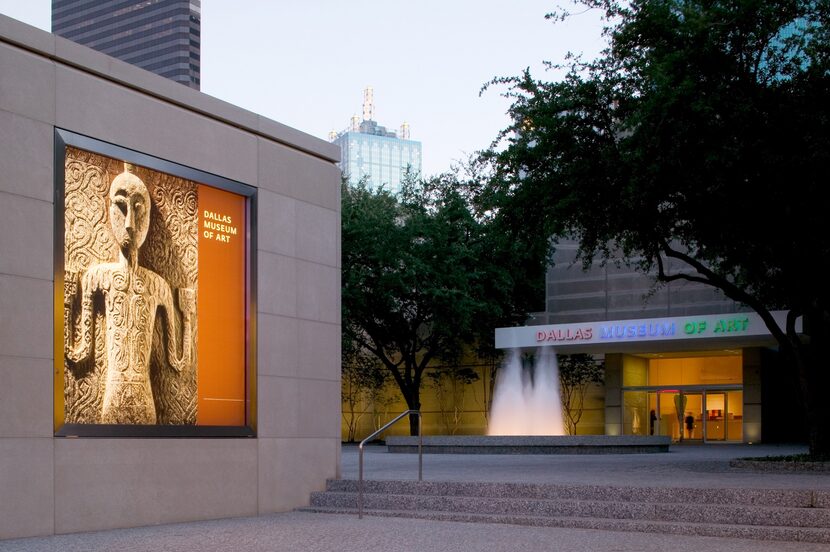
(684, 466)
(336, 533)
(295, 531)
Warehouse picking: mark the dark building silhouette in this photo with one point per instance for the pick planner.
(617, 291)
(162, 36)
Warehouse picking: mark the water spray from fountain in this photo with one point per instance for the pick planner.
(527, 402)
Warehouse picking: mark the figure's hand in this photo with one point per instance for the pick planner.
(70, 288)
(187, 302)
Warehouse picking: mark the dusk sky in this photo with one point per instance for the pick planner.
(305, 64)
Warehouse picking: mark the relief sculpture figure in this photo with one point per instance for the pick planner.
(132, 298)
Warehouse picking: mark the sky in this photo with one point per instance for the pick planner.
(306, 63)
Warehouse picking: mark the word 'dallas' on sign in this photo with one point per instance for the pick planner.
(568, 334)
(218, 227)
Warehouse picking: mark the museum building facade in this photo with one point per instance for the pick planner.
(680, 359)
(169, 299)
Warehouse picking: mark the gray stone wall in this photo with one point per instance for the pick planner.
(53, 485)
(752, 420)
(619, 292)
(613, 393)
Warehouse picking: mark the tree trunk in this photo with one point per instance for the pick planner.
(413, 424)
(815, 383)
(815, 387)
(413, 402)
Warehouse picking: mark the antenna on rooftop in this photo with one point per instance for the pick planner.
(405, 131)
(355, 122)
(332, 135)
(368, 104)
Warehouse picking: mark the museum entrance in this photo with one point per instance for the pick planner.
(692, 398)
(702, 416)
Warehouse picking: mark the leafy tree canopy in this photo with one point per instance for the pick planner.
(424, 277)
(700, 135)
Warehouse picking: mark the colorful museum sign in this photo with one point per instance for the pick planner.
(747, 326)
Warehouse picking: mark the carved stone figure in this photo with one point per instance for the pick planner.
(132, 298)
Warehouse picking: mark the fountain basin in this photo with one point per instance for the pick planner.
(531, 444)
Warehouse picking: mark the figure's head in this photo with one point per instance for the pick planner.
(129, 209)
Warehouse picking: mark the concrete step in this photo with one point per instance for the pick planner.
(775, 514)
(698, 513)
(794, 498)
(774, 533)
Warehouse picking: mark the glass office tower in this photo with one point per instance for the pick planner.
(162, 36)
(372, 153)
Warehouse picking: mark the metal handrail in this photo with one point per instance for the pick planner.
(375, 434)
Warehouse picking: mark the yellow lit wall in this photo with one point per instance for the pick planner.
(460, 411)
(635, 371)
(710, 370)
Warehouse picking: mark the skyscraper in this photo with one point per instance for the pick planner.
(162, 36)
(370, 151)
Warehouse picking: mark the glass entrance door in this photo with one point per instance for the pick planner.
(724, 415)
(693, 417)
(698, 415)
(679, 414)
(715, 416)
(667, 415)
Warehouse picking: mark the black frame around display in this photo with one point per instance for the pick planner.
(65, 138)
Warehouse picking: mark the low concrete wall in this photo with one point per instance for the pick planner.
(53, 485)
(502, 444)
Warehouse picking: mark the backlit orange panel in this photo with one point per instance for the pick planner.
(221, 304)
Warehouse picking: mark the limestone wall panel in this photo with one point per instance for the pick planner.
(109, 483)
(106, 111)
(319, 350)
(277, 223)
(26, 236)
(298, 175)
(277, 288)
(279, 407)
(305, 463)
(26, 487)
(26, 156)
(25, 317)
(318, 292)
(31, 93)
(317, 229)
(279, 352)
(26, 397)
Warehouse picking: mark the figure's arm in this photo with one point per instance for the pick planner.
(79, 352)
(187, 305)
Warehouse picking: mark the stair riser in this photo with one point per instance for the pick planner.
(748, 497)
(711, 514)
(754, 532)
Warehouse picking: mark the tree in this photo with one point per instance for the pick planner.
(451, 384)
(700, 138)
(383, 399)
(576, 374)
(424, 277)
(361, 383)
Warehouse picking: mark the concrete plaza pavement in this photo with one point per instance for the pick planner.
(297, 531)
(694, 466)
(702, 466)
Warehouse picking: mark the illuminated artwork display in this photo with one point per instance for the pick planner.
(155, 269)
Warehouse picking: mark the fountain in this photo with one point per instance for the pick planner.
(526, 401)
(526, 418)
